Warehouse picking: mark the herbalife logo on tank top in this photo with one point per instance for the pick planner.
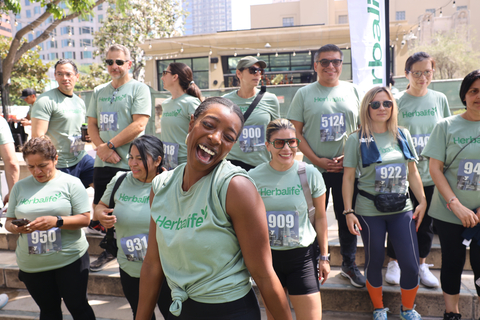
(289, 191)
(46, 199)
(194, 220)
(172, 113)
(126, 198)
(424, 113)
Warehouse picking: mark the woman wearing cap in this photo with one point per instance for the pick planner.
(454, 153)
(186, 96)
(250, 150)
(419, 109)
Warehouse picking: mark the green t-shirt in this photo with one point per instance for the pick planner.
(65, 116)
(174, 123)
(5, 137)
(389, 176)
(329, 115)
(132, 209)
(113, 109)
(419, 115)
(64, 195)
(448, 137)
(198, 248)
(250, 147)
(287, 209)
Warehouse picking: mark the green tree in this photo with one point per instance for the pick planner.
(94, 76)
(28, 72)
(18, 47)
(142, 21)
(453, 54)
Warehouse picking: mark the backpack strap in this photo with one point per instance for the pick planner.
(254, 103)
(111, 231)
(302, 173)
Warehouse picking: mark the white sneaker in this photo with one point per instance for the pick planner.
(3, 300)
(392, 276)
(426, 276)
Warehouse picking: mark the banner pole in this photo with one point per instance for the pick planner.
(387, 42)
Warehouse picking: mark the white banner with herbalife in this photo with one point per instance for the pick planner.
(367, 37)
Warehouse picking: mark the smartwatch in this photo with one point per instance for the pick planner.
(325, 258)
(59, 222)
(110, 145)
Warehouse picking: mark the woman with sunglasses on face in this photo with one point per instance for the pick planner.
(250, 150)
(454, 153)
(186, 96)
(291, 233)
(419, 109)
(131, 212)
(48, 210)
(208, 231)
(385, 157)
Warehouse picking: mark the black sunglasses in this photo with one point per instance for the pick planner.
(254, 70)
(376, 104)
(325, 62)
(118, 62)
(112, 99)
(280, 143)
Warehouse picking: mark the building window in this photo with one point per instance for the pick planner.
(36, 10)
(52, 44)
(30, 37)
(287, 22)
(462, 8)
(400, 15)
(41, 46)
(100, 7)
(343, 19)
(68, 55)
(85, 42)
(199, 67)
(38, 34)
(86, 55)
(52, 56)
(27, 2)
(100, 18)
(19, 27)
(432, 11)
(29, 13)
(85, 30)
(66, 30)
(68, 43)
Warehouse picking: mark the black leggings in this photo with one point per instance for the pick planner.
(245, 308)
(425, 231)
(131, 287)
(454, 253)
(70, 283)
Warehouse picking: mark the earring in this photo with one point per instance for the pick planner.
(186, 138)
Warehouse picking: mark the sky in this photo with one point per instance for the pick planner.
(241, 12)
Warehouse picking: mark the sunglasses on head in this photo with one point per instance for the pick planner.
(280, 143)
(325, 62)
(118, 62)
(386, 104)
(254, 70)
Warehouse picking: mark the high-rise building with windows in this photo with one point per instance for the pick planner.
(71, 39)
(207, 16)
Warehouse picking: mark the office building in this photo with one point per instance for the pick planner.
(207, 16)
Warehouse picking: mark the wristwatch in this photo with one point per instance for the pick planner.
(59, 222)
(325, 258)
(110, 145)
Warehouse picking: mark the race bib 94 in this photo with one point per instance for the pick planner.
(468, 176)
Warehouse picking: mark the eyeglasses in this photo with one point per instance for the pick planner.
(376, 104)
(164, 72)
(418, 74)
(113, 96)
(118, 62)
(67, 75)
(325, 62)
(254, 70)
(280, 143)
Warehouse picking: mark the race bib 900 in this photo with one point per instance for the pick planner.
(332, 127)
(391, 178)
(44, 241)
(468, 176)
(108, 121)
(135, 247)
(252, 139)
(283, 228)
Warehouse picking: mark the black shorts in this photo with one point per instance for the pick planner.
(101, 178)
(296, 269)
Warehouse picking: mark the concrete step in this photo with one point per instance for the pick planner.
(337, 293)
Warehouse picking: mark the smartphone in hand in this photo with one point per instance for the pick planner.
(20, 222)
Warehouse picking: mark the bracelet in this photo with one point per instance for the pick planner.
(450, 201)
(345, 212)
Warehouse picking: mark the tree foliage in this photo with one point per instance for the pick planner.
(453, 54)
(141, 21)
(28, 72)
(95, 76)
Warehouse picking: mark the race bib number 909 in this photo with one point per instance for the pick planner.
(283, 228)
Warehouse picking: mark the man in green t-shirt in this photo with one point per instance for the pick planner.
(118, 112)
(59, 114)
(324, 113)
(29, 95)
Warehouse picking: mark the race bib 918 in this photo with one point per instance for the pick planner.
(252, 139)
(391, 178)
(44, 241)
(468, 176)
(283, 228)
(332, 127)
(108, 121)
(171, 155)
(135, 247)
